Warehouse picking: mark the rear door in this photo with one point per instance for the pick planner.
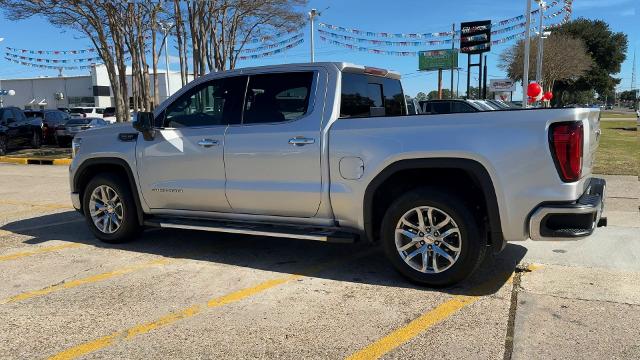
(272, 159)
(182, 168)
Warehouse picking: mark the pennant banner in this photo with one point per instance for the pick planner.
(272, 52)
(267, 38)
(51, 52)
(273, 46)
(53, 61)
(83, 67)
(383, 42)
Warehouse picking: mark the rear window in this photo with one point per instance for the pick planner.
(79, 111)
(369, 96)
(33, 114)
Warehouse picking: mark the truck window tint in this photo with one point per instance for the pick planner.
(460, 107)
(364, 96)
(443, 107)
(277, 97)
(214, 103)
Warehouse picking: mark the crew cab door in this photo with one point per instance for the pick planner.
(272, 159)
(182, 168)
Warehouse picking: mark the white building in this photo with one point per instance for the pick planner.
(80, 90)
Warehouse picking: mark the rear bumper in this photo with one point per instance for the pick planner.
(557, 222)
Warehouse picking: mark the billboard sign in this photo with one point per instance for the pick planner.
(475, 37)
(502, 85)
(437, 59)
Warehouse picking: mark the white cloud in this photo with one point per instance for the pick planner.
(628, 12)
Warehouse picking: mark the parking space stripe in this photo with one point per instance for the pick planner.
(173, 317)
(40, 250)
(84, 281)
(414, 328)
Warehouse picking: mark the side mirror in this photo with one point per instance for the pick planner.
(143, 122)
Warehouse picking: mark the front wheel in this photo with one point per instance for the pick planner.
(110, 210)
(432, 238)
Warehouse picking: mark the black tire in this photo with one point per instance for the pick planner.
(472, 241)
(36, 140)
(129, 226)
(3, 145)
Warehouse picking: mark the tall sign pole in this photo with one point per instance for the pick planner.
(453, 49)
(527, 50)
(166, 28)
(540, 40)
(312, 15)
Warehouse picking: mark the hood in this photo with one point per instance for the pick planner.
(109, 130)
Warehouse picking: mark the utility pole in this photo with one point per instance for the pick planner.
(527, 50)
(312, 15)
(166, 28)
(540, 40)
(1, 96)
(453, 53)
(440, 84)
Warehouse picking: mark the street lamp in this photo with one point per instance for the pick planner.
(312, 15)
(166, 28)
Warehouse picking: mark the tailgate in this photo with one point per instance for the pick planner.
(591, 138)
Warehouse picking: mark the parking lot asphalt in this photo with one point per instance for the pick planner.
(182, 294)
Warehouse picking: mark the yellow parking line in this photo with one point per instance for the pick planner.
(413, 329)
(39, 251)
(84, 281)
(422, 323)
(173, 317)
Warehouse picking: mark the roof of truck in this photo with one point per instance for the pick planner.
(342, 66)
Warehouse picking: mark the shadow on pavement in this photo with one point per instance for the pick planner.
(270, 254)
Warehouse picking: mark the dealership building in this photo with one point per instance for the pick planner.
(93, 89)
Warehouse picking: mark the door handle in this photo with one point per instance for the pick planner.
(301, 141)
(208, 143)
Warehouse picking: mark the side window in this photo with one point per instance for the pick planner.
(460, 107)
(365, 95)
(5, 114)
(217, 102)
(100, 111)
(277, 97)
(440, 107)
(19, 115)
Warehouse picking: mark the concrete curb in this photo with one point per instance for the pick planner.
(34, 161)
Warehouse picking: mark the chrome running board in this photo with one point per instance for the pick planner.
(255, 229)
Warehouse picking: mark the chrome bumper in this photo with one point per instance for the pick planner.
(75, 200)
(558, 222)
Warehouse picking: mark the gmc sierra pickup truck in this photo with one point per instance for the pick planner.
(327, 151)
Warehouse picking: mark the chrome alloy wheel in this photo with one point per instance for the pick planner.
(428, 239)
(106, 209)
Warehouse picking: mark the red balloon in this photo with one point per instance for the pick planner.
(548, 96)
(534, 89)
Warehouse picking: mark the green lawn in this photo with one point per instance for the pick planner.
(617, 115)
(619, 151)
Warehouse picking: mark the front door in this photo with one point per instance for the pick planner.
(272, 159)
(182, 168)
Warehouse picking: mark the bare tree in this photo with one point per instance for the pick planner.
(564, 58)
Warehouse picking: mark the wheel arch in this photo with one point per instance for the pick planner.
(91, 167)
(472, 169)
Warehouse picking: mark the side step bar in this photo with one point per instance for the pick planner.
(280, 231)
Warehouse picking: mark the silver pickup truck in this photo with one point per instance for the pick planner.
(326, 151)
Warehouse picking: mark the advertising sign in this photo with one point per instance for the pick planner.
(437, 59)
(475, 37)
(502, 85)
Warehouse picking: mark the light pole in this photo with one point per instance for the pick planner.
(527, 50)
(312, 15)
(542, 5)
(166, 28)
(1, 96)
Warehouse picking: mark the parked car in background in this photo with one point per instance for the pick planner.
(17, 130)
(413, 107)
(109, 114)
(448, 106)
(65, 109)
(66, 132)
(50, 119)
(86, 111)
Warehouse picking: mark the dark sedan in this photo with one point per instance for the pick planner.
(17, 130)
(66, 132)
(51, 119)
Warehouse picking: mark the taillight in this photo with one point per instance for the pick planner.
(375, 71)
(566, 141)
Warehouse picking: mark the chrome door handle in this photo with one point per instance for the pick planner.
(208, 143)
(300, 141)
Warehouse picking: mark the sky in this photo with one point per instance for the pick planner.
(397, 16)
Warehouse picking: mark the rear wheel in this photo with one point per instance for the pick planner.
(432, 238)
(110, 210)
